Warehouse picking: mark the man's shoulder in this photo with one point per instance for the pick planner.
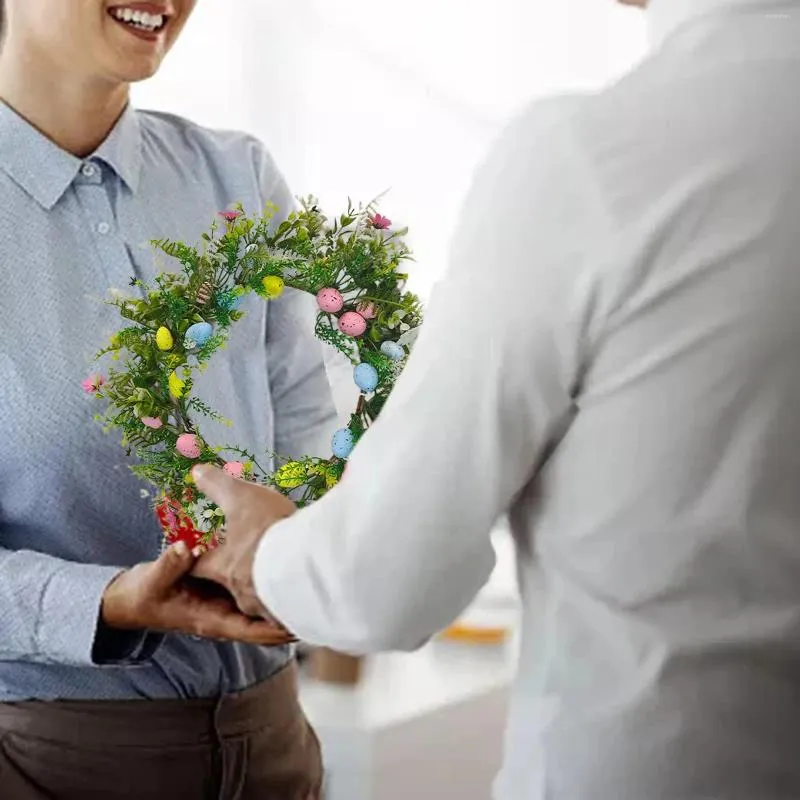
(547, 117)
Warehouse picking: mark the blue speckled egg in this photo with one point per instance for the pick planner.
(198, 334)
(342, 444)
(393, 350)
(366, 377)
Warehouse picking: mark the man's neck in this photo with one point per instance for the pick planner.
(77, 115)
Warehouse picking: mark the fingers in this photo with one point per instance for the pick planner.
(221, 620)
(210, 567)
(262, 633)
(215, 484)
(173, 564)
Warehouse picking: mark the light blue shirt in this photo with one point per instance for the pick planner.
(71, 513)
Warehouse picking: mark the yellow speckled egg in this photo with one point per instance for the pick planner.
(164, 340)
(273, 286)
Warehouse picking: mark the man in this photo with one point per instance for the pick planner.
(621, 372)
(136, 705)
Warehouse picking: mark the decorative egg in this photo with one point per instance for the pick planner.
(176, 386)
(393, 350)
(234, 468)
(198, 334)
(330, 300)
(164, 340)
(273, 286)
(152, 422)
(367, 310)
(188, 445)
(366, 377)
(342, 443)
(352, 323)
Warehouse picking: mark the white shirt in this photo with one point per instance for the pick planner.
(613, 358)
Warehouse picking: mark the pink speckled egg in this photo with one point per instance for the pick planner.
(234, 468)
(152, 422)
(330, 300)
(367, 310)
(188, 445)
(352, 324)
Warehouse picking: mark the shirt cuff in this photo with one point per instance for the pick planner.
(267, 566)
(70, 631)
(116, 648)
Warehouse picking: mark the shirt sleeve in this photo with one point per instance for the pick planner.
(51, 614)
(399, 549)
(304, 411)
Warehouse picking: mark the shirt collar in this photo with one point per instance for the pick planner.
(664, 17)
(45, 171)
(122, 149)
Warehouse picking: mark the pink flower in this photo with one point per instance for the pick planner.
(230, 216)
(92, 384)
(379, 222)
(152, 422)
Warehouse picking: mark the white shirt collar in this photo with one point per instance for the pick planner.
(666, 16)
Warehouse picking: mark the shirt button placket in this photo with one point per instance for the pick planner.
(93, 191)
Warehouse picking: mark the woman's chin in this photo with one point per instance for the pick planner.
(135, 70)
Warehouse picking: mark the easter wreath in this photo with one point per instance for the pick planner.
(351, 264)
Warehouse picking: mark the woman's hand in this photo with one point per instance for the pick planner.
(162, 596)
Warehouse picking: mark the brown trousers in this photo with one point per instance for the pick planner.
(256, 745)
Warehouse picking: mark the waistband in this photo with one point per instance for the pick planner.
(272, 704)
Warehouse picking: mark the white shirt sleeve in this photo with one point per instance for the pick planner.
(399, 549)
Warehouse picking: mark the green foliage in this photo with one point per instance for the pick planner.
(309, 252)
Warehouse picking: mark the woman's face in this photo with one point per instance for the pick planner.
(108, 40)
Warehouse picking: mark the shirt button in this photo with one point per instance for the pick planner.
(89, 170)
(103, 228)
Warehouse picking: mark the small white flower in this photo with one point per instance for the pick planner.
(144, 494)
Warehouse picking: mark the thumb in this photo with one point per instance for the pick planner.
(173, 564)
(215, 484)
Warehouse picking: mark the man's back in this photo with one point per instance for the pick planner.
(663, 661)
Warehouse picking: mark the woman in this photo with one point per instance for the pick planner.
(92, 620)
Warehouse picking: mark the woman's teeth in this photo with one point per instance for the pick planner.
(140, 20)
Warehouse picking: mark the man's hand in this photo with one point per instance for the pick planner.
(160, 596)
(249, 511)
